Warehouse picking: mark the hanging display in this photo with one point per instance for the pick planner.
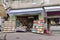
(38, 26)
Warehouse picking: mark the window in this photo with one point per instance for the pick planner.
(54, 21)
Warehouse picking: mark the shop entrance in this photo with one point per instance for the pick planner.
(26, 22)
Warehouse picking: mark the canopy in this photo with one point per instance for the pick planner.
(26, 11)
(52, 8)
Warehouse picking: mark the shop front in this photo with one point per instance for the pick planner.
(53, 17)
(27, 20)
(54, 20)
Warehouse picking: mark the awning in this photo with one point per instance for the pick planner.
(52, 8)
(34, 10)
(2, 10)
(26, 11)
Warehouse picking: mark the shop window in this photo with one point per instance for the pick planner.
(54, 21)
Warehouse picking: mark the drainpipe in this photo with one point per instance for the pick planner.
(5, 4)
(45, 17)
(44, 13)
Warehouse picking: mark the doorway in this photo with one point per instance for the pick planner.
(26, 21)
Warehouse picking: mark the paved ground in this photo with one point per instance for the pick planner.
(30, 36)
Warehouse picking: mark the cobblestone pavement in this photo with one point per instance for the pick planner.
(30, 36)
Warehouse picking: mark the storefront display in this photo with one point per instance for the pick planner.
(21, 29)
(53, 20)
(38, 26)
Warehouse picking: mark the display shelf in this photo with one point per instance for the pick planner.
(38, 26)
